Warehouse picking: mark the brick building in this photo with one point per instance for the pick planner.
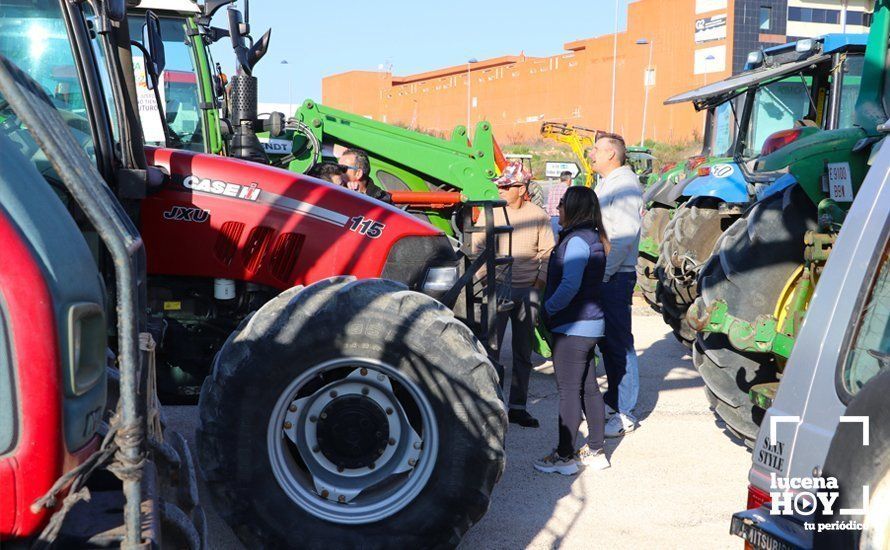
(692, 42)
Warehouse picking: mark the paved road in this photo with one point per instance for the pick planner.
(673, 483)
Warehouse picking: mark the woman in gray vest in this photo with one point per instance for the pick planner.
(573, 313)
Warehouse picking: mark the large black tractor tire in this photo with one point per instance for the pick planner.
(728, 395)
(855, 466)
(751, 264)
(654, 222)
(687, 243)
(294, 368)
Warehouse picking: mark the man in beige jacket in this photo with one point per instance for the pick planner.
(532, 242)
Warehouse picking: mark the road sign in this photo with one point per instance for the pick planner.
(554, 169)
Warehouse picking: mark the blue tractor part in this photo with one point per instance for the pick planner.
(724, 181)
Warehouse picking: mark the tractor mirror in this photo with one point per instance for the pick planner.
(116, 10)
(235, 20)
(151, 37)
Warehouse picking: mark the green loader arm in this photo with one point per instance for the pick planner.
(420, 161)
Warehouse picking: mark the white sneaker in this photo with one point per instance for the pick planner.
(620, 424)
(555, 464)
(591, 460)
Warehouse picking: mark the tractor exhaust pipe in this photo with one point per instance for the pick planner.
(244, 143)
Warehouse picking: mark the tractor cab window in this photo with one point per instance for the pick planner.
(724, 128)
(852, 77)
(178, 88)
(777, 106)
(33, 35)
(870, 351)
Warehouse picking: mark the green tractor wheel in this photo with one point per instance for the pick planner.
(752, 262)
(687, 243)
(655, 220)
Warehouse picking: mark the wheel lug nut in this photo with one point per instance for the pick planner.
(313, 418)
(293, 407)
(340, 468)
(316, 449)
(411, 462)
(323, 415)
(363, 371)
(333, 393)
(418, 444)
(372, 465)
(325, 493)
(388, 410)
(392, 441)
(380, 377)
(365, 391)
(288, 425)
(341, 499)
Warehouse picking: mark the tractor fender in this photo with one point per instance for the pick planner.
(725, 182)
(660, 193)
(782, 182)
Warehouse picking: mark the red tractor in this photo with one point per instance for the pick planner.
(84, 458)
(343, 407)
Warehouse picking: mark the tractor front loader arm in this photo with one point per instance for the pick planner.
(421, 161)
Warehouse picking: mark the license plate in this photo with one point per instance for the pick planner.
(840, 182)
(757, 537)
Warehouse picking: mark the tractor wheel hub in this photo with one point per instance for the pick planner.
(353, 431)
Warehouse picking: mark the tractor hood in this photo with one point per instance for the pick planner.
(721, 92)
(226, 218)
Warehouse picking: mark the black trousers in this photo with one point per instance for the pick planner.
(574, 361)
(523, 317)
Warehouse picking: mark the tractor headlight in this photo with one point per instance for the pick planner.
(805, 45)
(439, 279)
(755, 58)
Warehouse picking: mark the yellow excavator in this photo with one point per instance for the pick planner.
(579, 138)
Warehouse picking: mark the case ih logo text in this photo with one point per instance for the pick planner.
(218, 187)
(184, 214)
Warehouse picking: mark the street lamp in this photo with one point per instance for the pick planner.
(650, 43)
(469, 62)
(708, 59)
(614, 67)
(290, 103)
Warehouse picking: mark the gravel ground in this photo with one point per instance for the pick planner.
(674, 482)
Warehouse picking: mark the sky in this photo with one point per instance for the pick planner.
(408, 35)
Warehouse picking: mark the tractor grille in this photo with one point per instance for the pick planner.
(284, 255)
(227, 241)
(256, 247)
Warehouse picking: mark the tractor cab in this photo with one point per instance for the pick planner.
(84, 457)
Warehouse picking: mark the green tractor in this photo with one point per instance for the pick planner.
(756, 288)
(787, 93)
(428, 175)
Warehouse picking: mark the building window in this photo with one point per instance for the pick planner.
(858, 18)
(766, 14)
(815, 15)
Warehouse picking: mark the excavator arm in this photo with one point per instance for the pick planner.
(579, 138)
